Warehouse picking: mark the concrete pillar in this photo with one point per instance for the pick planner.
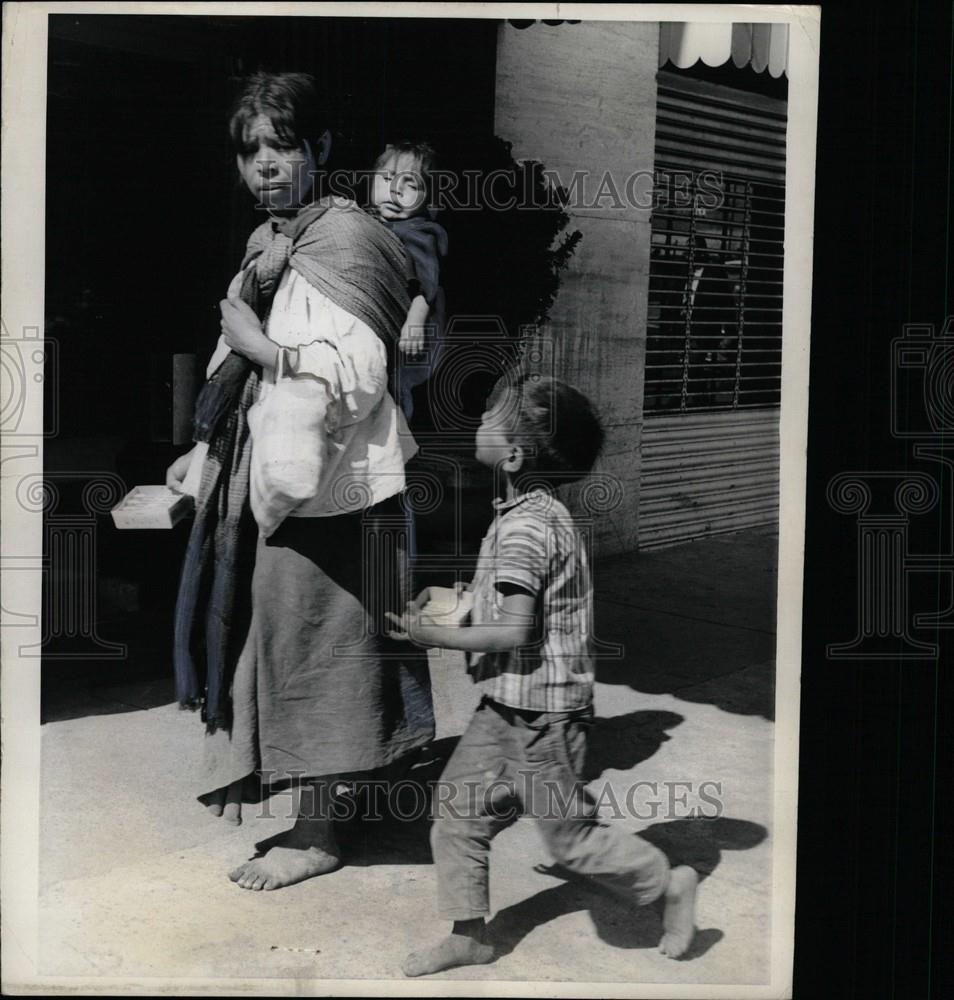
(581, 98)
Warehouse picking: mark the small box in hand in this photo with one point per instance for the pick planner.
(152, 507)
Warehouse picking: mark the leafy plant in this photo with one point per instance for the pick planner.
(508, 247)
(506, 223)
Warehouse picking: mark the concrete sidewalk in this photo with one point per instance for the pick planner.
(133, 870)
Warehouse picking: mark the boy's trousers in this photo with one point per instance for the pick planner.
(512, 762)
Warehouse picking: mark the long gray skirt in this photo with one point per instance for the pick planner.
(319, 690)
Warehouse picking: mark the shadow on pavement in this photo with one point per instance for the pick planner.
(700, 842)
(74, 690)
(696, 620)
(726, 666)
(616, 923)
(623, 741)
(392, 825)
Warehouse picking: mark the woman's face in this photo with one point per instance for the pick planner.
(278, 175)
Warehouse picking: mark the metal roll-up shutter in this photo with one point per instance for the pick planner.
(707, 473)
(714, 334)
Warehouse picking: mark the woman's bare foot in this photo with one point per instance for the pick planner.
(232, 811)
(214, 801)
(679, 911)
(453, 951)
(226, 802)
(307, 850)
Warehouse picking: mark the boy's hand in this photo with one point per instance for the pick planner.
(412, 339)
(242, 331)
(422, 598)
(407, 626)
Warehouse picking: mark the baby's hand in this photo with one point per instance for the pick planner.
(412, 339)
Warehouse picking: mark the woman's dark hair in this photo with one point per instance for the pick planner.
(289, 100)
(555, 424)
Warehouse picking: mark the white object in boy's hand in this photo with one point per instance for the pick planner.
(447, 606)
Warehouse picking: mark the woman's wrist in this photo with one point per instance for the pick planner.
(267, 354)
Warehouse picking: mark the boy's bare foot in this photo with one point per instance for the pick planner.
(679, 911)
(453, 951)
(307, 850)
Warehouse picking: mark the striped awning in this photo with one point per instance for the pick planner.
(761, 46)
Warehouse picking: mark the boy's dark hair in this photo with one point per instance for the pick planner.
(289, 100)
(557, 427)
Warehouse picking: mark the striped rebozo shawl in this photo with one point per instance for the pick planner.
(351, 258)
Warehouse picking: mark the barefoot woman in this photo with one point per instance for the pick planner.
(296, 426)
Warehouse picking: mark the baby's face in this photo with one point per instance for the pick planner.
(398, 191)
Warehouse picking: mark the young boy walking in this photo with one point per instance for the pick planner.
(527, 637)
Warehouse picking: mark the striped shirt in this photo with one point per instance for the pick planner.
(534, 545)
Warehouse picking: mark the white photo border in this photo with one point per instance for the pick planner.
(23, 266)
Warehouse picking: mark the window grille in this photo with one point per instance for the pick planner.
(714, 337)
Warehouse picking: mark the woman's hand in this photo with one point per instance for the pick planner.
(242, 331)
(176, 472)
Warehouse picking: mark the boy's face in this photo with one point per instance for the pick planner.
(495, 443)
(278, 175)
(398, 190)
